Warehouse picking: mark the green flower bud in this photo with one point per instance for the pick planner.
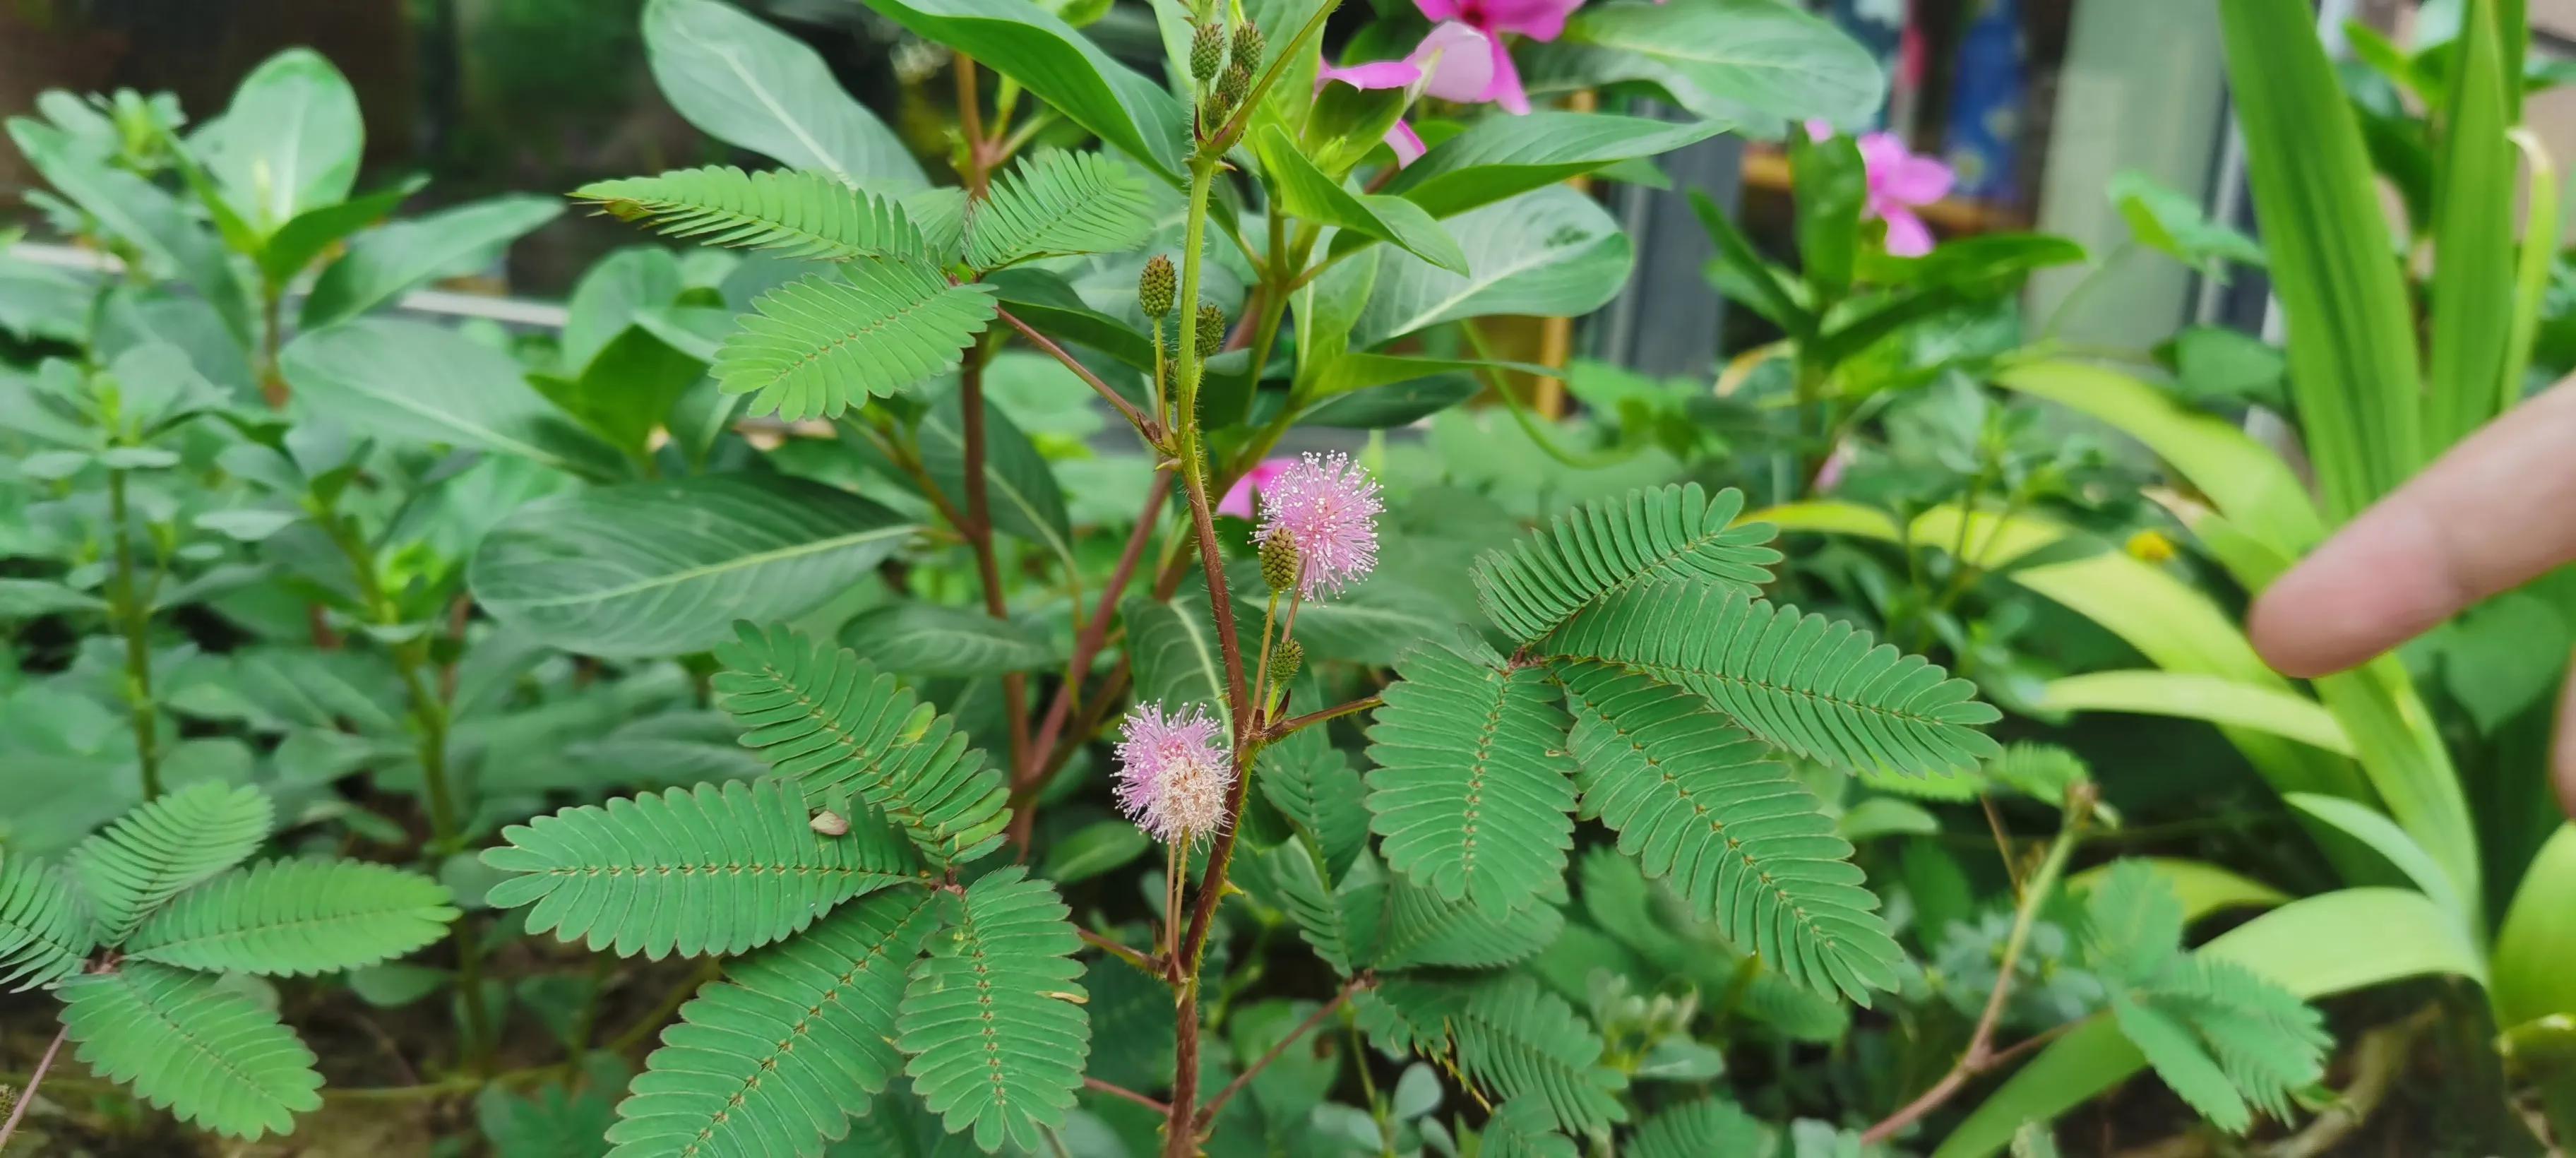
(1279, 563)
(1285, 659)
(1154, 287)
(1207, 52)
(1211, 328)
(1236, 85)
(1247, 45)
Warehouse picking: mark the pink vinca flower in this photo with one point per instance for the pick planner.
(1173, 776)
(1540, 20)
(1453, 63)
(1327, 508)
(1238, 500)
(1899, 183)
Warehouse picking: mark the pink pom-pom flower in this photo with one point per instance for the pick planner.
(1173, 775)
(1327, 508)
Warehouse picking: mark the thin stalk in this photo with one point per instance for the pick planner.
(978, 530)
(1293, 723)
(27, 1095)
(1126, 409)
(1207, 1116)
(136, 622)
(1980, 1055)
(1261, 671)
(1097, 1086)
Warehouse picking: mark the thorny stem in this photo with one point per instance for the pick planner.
(136, 621)
(1207, 1116)
(1980, 1055)
(27, 1096)
(429, 716)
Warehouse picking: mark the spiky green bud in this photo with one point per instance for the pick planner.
(1207, 52)
(1236, 85)
(1285, 659)
(1279, 563)
(1211, 328)
(1247, 45)
(1154, 287)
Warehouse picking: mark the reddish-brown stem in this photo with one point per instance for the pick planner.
(1337, 711)
(970, 125)
(1121, 952)
(1097, 1086)
(1181, 1122)
(1207, 1114)
(978, 530)
(27, 1096)
(1152, 431)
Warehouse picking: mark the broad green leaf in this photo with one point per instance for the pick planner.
(2194, 696)
(1174, 648)
(142, 214)
(299, 241)
(1502, 157)
(2533, 947)
(609, 295)
(1020, 491)
(1062, 67)
(1095, 848)
(1752, 63)
(1306, 192)
(2172, 223)
(913, 638)
(1050, 305)
(627, 389)
(2202, 887)
(659, 568)
(382, 265)
(41, 302)
(420, 383)
(747, 84)
(1551, 252)
(289, 143)
(1830, 188)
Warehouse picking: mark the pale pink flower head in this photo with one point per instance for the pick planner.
(1899, 183)
(1238, 500)
(1173, 776)
(1327, 508)
(1537, 19)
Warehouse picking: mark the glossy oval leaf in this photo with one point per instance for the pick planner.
(417, 382)
(289, 142)
(1551, 252)
(1026, 43)
(1307, 192)
(747, 84)
(1500, 157)
(667, 567)
(1758, 65)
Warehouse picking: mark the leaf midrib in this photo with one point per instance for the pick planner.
(690, 574)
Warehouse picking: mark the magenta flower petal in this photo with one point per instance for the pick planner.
(1438, 10)
(1406, 143)
(1819, 130)
(1173, 776)
(1917, 180)
(1505, 90)
(1536, 19)
(1373, 75)
(1238, 499)
(1458, 60)
(1906, 234)
(1328, 508)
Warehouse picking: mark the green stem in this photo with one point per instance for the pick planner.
(136, 620)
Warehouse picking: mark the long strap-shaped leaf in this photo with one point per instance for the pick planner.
(1587, 554)
(44, 928)
(144, 859)
(1822, 689)
(705, 870)
(779, 1057)
(821, 344)
(798, 214)
(1473, 793)
(296, 918)
(838, 728)
(207, 1054)
(993, 1016)
(1695, 799)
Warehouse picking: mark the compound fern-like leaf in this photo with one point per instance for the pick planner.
(1058, 203)
(1424, 931)
(551, 1122)
(1696, 800)
(1822, 689)
(205, 1053)
(145, 858)
(295, 918)
(993, 1016)
(1608, 546)
(822, 344)
(1510, 1038)
(838, 728)
(2270, 1044)
(1523, 1128)
(44, 927)
(796, 213)
(1314, 786)
(705, 870)
(1473, 793)
(777, 1058)
(1697, 1130)
(1311, 903)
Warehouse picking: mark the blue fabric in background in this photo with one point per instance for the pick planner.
(1984, 139)
(1879, 26)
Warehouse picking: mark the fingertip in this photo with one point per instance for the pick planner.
(2562, 750)
(2288, 629)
